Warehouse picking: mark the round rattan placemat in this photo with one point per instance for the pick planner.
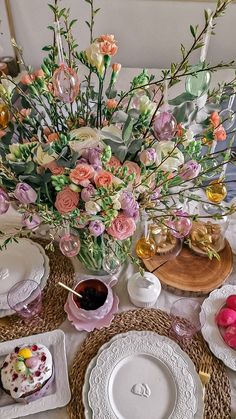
(217, 398)
(53, 297)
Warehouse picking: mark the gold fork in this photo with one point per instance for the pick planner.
(205, 370)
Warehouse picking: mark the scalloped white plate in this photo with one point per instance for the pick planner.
(59, 394)
(210, 330)
(18, 262)
(137, 371)
(43, 281)
(191, 367)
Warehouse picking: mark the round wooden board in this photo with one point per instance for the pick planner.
(190, 274)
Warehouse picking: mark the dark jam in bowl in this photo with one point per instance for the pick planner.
(94, 294)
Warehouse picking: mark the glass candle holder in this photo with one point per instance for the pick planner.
(186, 321)
(25, 298)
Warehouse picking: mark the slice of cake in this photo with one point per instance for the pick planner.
(27, 373)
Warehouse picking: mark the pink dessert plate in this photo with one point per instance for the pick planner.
(90, 325)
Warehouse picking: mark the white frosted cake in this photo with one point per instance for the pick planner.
(26, 371)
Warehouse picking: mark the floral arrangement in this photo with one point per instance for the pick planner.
(87, 160)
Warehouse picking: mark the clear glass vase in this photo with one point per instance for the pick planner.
(94, 250)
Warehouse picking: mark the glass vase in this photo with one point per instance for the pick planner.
(93, 250)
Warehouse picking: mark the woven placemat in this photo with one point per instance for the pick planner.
(217, 398)
(53, 297)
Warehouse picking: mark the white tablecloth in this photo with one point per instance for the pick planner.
(74, 338)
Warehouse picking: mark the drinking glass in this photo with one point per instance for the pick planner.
(25, 298)
(186, 321)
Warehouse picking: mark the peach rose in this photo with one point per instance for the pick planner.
(52, 137)
(111, 104)
(107, 45)
(215, 119)
(27, 79)
(82, 174)
(103, 179)
(66, 200)
(220, 134)
(122, 227)
(39, 73)
(114, 163)
(55, 169)
(133, 168)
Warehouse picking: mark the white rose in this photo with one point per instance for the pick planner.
(83, 138)
(176, 157)
(146, 105)
(42, 157)
(92, 207)
(95, 58)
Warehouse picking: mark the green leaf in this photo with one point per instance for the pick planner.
(72, 23)
(127, 129)
(192, 30)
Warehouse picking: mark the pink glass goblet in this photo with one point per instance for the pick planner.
(186, 320)
(25, 298)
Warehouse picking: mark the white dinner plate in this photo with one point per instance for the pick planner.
(210, 330)
(134, 373)
(18, 262)
(59, 394)
(43, 282)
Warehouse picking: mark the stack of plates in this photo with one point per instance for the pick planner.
(142, 375)
(18, 262)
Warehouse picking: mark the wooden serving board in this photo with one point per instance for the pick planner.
(190, 274)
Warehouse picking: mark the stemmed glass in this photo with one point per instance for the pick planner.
(186, 320)
(25, 298)
(228, 115)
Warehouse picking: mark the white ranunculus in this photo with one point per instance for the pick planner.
(92, 207)
(84, 138)
(176, 159)
(95, 58)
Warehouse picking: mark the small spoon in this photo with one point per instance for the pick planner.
(70, 289)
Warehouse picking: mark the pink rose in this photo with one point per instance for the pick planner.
(215, 119)
(39, 73)
(54, 168)
(66, 200)
(122, 227)
(27, 79)
(220, 134)
(82, 174)
(133, 168)
(103, 179)
(114, 163)
(111, 104)
(53, 136)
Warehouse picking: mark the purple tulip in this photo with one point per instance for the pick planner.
(4, 202)
(25, 194)
(180, 227)
(155, 195)
(94, 157)
(190, 170)
(126, 200)
(87, 193)
(96, 228)
(31, 221)
(148, 156)
(82, 161)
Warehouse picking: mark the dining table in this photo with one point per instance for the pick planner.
(74, 338)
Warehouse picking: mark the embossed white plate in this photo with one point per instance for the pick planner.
(210, 330)
(142, 374)
(43, 281)
(59, 394)
(18, 262)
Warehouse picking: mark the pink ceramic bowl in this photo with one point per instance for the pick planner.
(99, 313)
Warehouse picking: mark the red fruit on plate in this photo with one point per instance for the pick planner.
(226, 317)
(230, 336)
(231, 302)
